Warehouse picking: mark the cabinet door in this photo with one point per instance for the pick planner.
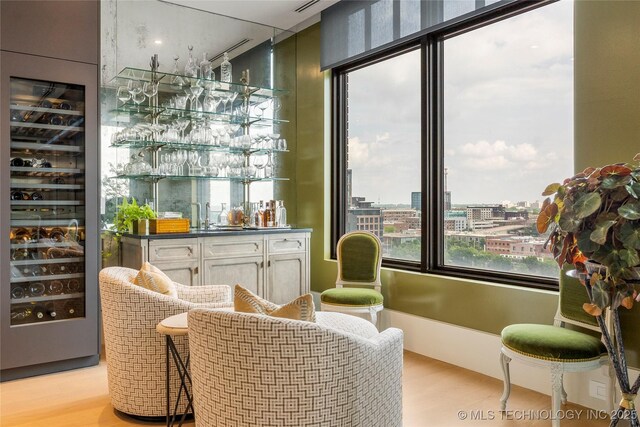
(287, 277)
(245, 271)
(185, 273)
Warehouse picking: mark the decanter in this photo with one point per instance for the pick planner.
(190, 68)
(225, 69)
(206, 70)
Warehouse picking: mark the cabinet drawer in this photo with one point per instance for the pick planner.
(287, 243)
(232, 246)
(173, 250)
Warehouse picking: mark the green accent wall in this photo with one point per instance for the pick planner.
(607, 102)
(607, 121)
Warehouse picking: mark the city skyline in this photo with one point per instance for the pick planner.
(491, 153)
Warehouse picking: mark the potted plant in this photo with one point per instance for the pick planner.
(129, 215)
(594, 219)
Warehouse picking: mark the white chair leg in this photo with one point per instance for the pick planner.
(556, 394)
(374, 317)
(504, 360)
(563, 395)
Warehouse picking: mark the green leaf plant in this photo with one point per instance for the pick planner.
(594, 224)
(130, 212)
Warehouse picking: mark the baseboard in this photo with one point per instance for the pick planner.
(479, 351)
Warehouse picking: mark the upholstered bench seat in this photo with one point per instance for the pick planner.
(552, 343)
(351, 296)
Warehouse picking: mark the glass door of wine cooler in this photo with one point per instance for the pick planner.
(47, 168)
(49, 211)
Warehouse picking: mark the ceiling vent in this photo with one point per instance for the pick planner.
(306, 6)
(230, 49)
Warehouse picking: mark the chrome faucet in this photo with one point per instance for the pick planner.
(207, 208)
(199, 218)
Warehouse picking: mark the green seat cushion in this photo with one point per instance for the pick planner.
(552, 343)
(351, 296)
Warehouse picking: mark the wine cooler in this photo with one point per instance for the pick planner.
(49, 309)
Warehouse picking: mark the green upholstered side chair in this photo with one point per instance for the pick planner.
(358, 285)
(556, 347)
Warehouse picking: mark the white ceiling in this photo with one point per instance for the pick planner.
(276, 13)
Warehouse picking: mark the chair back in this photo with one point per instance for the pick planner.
(255, 370)
(573, 295)
(359, 259)
(135, 351)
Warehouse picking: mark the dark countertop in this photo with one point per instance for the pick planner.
(225, 232)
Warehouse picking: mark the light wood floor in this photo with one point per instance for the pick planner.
(434, 393)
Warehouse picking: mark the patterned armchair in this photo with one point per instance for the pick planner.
(253, 370)
(135, 351)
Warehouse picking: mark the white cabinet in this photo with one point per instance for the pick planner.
(287, 267)
(274, 265)
(234, 260)
(177, 258)
(245, 271)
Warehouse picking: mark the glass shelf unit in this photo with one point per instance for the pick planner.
(152, 177)
(237, 109)
(138, 144)
(167, 80)
(143, 113)
(47, 201)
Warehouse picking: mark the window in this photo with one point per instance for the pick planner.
(478, 117)
(383, 152)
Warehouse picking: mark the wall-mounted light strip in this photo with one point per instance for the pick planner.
(229, 49)
(306, 6)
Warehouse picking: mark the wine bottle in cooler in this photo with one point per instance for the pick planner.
(51, 310)
(70, 309)
(39, 312)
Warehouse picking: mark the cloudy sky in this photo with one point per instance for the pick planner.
(508, 113)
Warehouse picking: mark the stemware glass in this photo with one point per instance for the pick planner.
(196, 89)
(263, 106)
(138, 98)
(150, 89)
(123, 94)
(232, 97)
(193, 160)
(259, 161)
(134, 87)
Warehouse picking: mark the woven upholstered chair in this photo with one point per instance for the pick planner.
(555, 347)
(254, 370)
(135, 352)
(359, 260)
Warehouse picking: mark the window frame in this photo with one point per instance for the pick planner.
(431, 147)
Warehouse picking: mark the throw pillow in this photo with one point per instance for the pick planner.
(301, 308)
(152, 278)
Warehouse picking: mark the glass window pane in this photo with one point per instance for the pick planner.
(383, 146)
(508, 132)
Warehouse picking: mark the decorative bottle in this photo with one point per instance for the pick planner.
(268, 219)
(223, 218)
(206, 71)
(225, 69)
(281, 214)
